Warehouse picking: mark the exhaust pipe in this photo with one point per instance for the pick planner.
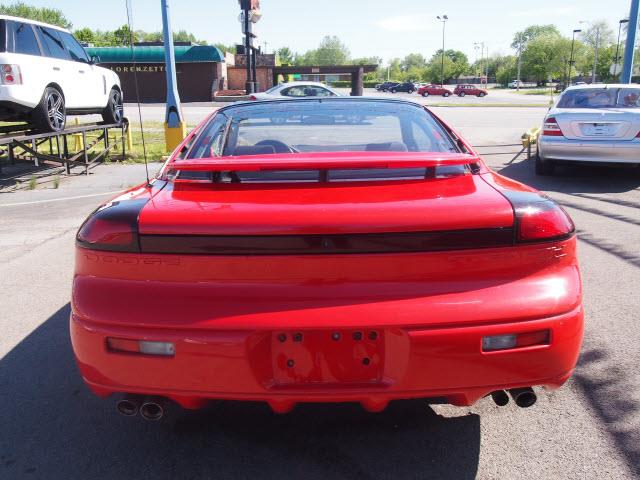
(500, 397)
(152, 408)
(524, 397)
(129, 405)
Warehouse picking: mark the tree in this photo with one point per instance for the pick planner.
(456, 63)
(85, 35)
(41, 14)
(331, 51)
(285, 56)
(413, 60)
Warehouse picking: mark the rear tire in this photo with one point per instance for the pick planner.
(446, 94)
(481, 94)
(461, 94)
(544, 167)
(425, 94)
(50, 115)
(113, 112)
(393, 90)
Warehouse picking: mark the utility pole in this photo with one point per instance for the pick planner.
(443, 19)
(175, 128)
(476, 47)
(627, 69)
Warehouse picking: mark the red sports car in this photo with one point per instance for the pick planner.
(434, 90)
(321, 260)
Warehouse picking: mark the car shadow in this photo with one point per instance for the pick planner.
(53, 428)
(575, 179)
(606, 386)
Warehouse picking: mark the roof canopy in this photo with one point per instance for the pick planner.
(155, 54)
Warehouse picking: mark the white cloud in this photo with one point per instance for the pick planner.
(547, 11)
(407, 23)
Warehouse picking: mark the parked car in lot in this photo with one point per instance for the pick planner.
(434, 90)
(47, 75)
(295, 90)
(407, 87)
(516, 84)
(325, 261)
(468, 89)
(591, 123)
(383, 87)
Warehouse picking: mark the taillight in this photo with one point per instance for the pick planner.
(515, 340)
(113, 227)
(10, 74)
(144, 347)
(538, 218)
(551, 128)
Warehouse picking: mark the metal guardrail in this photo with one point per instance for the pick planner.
(20, 143)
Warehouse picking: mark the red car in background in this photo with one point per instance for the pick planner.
(468, 89)
(320, 260)
(434, 90)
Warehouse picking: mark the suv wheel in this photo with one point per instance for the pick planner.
(113, 112)
(544, 167)
(50, 114)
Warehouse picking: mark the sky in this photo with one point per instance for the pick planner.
(368, 27)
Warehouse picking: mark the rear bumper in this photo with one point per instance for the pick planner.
(411, 362)
(606, 151)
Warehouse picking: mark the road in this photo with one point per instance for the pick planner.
(51, 427)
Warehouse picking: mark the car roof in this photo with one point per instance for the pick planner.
(395, 101)
(602, 85)
(34, 22)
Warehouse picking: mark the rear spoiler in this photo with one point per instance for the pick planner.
(323, 161)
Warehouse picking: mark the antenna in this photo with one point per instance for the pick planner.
(135, 80)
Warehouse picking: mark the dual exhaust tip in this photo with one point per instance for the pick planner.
(150, 408)
(524, 397)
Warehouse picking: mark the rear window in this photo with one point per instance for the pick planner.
(24, 39)
(321, 126)
(600, 98)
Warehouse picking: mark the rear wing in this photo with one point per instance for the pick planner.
(323, 161)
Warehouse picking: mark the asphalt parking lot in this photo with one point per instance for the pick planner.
(52, 427)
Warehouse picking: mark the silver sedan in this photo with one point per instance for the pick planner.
(591, 123)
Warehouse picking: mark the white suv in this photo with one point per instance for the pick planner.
(45, 74)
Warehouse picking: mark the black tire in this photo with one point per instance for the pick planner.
(461, 94)
(411, 91)
(481, 94)
(425, 94)
(446, 94)
(393, 90)
(50, 115)
(544, 167)
(113, 112)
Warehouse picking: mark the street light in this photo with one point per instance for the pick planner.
(481, 46)
(615, 64)
(573, 41)
(443, 19)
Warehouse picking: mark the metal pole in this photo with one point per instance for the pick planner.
(519, 66)
(175, 127)
(573, 41)
(247, 50)
(615, 64)
(595, 57)
(627, 69)
(442, 67)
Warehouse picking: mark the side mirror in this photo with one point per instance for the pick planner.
(95, 59)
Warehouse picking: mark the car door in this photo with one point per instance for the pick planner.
(91, 81)
(57, 66)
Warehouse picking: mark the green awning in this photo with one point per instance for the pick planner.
(155, 54)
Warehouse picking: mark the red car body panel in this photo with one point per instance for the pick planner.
(434, 90)
(365, 327)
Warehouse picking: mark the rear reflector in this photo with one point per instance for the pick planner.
(538, 218)
(551, 128)
(513, 341)
(144, 347)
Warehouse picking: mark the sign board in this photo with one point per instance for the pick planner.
(483, 79)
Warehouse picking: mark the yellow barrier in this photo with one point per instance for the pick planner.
(78, 140)
(530, 137)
